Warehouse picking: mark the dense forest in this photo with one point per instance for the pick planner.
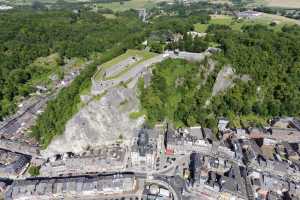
(272, 59)
(28, 35)
(190, 43)
(179, 90)
(174, 93)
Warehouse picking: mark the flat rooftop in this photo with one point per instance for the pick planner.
(107, 159)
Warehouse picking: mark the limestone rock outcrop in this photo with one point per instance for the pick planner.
(100, 122)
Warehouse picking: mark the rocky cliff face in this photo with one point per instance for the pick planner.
(98, 123)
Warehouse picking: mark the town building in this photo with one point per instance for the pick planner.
(195, 34)
(286, 122)
(12, 164)
(183, 142)
(5, 7)
(196, 162)
(188, 2)
(156, 192)
(20, 147)
(290, 135)
(208, 134)
(222, 124)
(84, 187)
(218, 165)
(235, 183)
(252, 151)
(267, 187)
(248, 14)
(107, 159)
(144, 148)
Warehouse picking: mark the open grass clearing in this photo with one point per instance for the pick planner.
(109, 16)
(132, 4)
(265, 19)
(136, 115)
(283, 3)
(215, 19)
(283, 20)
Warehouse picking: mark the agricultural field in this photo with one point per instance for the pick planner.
(142, 55)
(275, 3)
(216, 19)
(115, 6)
(283, 3)
(29, 2)
(265, 19)
(132, 4)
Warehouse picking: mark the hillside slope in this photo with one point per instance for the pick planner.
(265, 81)
(100, 122)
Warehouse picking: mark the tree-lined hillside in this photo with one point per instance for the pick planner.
(28, 35)
(272, 59)
(269, 58)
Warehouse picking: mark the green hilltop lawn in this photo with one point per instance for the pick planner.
(145, 55)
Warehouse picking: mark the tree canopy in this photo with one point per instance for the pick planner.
(178, 92)
(27, 35)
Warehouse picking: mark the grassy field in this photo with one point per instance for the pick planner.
(132, 4)
(216, 19)
(283, 3)
(116, 6)
(142, 54)
(275, 3)
(265, 19)
(109, 16)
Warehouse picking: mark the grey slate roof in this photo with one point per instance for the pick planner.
(48, 188)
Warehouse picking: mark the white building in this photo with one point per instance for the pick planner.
(5, 7)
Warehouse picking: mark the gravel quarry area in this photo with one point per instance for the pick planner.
(224, 80)
(99, 123)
